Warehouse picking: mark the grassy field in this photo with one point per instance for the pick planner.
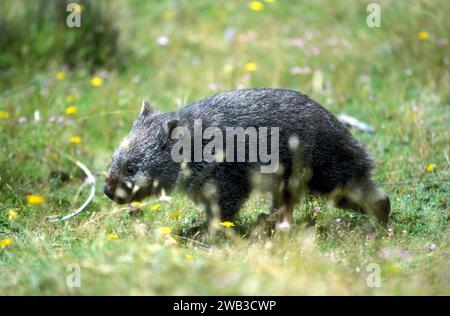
(395, 78)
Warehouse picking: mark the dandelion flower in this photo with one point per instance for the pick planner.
(423, 36)
(430, 167)
(34, 199)
(394, 268)
(71, 110)
(112, 236)
(78, 9)
(168, 15)
(175, 215)
(136, 204)
(227, 224)
(70, 98)
(189, 257)
(96, 81)
(256, 6)
(250, 67)
(155, 207)
(12, 215)
(60, 75)
(75, 139)
(4, 115)
(165, 230)
(5, 242)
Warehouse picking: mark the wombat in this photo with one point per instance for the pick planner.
(315, 153)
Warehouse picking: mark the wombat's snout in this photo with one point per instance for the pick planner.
(110, 186)
(111, 189)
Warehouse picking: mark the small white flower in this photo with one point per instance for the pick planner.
(37, 116)
(22, 120)
(163, 40)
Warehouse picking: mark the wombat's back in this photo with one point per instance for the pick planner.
(327, 147)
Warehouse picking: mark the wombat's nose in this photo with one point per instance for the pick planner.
(109, 187)
(108, 192)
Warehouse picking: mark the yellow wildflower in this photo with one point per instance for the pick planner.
(430, 167)
(78, 9)
(112, 236)
(168, 15)
(175, 215)
(136, 204)
(4, 115)
(189, 257)
(70, 98)
(34, 199)
(221, 13)
(256, 6)
(75, 139)
(165, 230)
(423, 36)
(12, 215)
(96, 81)
(71, 110)
(155, 207)
(227, 224)
(60, 75)
(5, 242)
(394, 268)
(250, 67)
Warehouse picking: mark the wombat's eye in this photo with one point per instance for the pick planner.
(130, 170)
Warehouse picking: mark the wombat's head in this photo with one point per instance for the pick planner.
(142, 165)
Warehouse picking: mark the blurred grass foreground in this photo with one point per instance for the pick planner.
(74, 91)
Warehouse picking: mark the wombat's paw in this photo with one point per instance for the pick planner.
(265, 224)
(266, 219)
(284, 226)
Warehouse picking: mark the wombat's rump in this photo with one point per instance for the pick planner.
(316, 154)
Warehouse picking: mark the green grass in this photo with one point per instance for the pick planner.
(385, 76)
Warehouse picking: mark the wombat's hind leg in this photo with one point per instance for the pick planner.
(364, 196)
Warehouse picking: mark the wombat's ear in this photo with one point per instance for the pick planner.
(169, 127)
(146, 108)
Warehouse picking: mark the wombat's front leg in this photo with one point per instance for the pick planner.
(225, 192)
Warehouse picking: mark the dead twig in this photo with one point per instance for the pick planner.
(90, 179)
